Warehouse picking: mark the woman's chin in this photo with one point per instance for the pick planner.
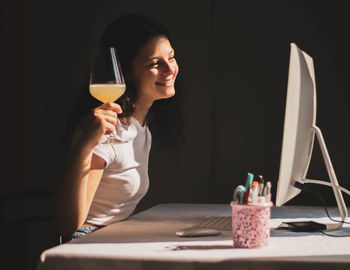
(168, 93)
(171, 93)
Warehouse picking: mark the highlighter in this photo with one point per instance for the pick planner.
(248, 184)
(249, 181)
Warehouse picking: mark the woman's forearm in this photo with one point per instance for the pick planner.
(71, 198)
(84, 170)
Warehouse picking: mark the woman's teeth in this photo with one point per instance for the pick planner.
(166, 83)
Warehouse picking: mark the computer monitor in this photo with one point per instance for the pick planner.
(299, 132)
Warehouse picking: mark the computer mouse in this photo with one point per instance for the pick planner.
(197, 231)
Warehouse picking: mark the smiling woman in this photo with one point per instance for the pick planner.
(155, 57)
(103, 182)
(154, 71)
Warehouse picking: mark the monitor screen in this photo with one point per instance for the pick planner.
(298, 132)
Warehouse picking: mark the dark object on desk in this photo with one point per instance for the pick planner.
(303, 226)
(197, 232)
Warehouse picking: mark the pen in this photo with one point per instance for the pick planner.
(267, 191)
(261, 184)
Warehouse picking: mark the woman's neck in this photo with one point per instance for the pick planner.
(140, 112)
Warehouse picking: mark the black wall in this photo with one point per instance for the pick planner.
(233, 58)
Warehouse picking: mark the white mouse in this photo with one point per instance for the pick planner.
(197, 231)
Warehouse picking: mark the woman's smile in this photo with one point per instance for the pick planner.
(155, 70)
(167, 83)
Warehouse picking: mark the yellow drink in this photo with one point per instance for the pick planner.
(107, 92)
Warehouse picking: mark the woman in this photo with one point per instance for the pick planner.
(104, 181)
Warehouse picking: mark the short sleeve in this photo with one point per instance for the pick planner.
(106, 151)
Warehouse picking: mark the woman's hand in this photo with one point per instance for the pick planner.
(103, 120)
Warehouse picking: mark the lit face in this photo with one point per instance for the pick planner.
(154, 71)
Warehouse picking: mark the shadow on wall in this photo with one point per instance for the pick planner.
(233, 59)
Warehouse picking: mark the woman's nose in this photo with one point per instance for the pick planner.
(169, 68)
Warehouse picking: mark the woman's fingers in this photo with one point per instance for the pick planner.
(112, 107)
(108, 127)
(101, 121)
(107, 115)
(105, 123)
(111, 119)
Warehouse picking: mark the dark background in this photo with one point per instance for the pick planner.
(233, 58)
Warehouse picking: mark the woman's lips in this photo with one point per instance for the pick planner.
(166, 83)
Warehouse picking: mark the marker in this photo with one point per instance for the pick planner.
(247, 195)
(249, 181)
(255, 192)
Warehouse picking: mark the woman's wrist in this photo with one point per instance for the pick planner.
(85, 140)
(83, 150)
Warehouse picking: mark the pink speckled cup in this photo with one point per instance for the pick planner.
(251, 225)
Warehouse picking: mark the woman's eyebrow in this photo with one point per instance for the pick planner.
(151, 58)
(156, 57)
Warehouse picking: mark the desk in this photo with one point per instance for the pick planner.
(147, 240)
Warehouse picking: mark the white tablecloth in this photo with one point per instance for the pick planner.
(147, 240)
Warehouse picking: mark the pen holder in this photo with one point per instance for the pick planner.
(251, 225)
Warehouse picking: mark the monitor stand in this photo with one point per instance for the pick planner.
(333, 181)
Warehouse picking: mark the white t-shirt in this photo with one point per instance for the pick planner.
(125, 178)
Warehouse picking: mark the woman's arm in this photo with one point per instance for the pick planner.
(84, 171)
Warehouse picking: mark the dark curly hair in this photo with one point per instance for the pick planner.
(129, 33)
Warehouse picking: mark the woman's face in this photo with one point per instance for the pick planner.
(154, 71)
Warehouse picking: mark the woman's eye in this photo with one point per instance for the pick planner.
(154, 64)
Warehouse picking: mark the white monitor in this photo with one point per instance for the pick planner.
(299, 132)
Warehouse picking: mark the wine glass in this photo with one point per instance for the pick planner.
(106, 79)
